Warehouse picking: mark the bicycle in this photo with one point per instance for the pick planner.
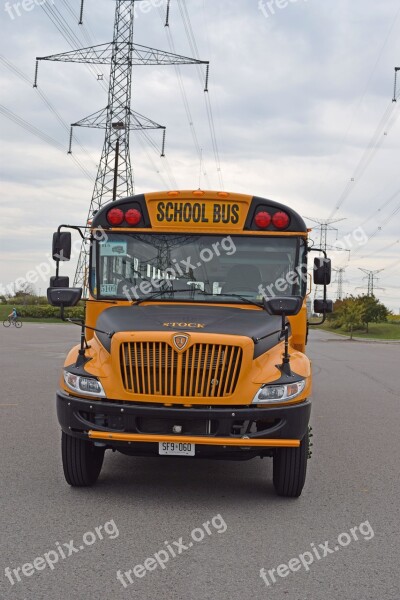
(16, 322)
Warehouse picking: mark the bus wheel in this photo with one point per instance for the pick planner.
(82, 461)
(289, 469)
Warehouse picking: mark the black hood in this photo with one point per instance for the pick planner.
(191, 318)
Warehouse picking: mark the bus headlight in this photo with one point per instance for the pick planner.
(90, 386)
(272, 394)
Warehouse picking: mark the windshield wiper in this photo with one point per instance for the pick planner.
(192, 292)
(247, 300)
(168, 291)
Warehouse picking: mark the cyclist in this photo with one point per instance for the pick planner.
(13, 315)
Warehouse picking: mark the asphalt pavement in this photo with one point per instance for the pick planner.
(221, 520)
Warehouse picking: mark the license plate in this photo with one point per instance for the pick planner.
(176, 449)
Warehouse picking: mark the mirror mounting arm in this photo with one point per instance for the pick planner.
(319, 322)
(313, 249)
(82, 358)
(285, 367)
(81, 323)
(76, 227)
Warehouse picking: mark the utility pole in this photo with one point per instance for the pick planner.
(371, 276)
(114, 176)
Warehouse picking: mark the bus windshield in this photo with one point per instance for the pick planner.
(201, 268)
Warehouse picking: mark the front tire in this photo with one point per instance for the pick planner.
(82, 461)
(289, 469)
(6, 323)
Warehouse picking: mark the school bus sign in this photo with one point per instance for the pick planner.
(200, 212)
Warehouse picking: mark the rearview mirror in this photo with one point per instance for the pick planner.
(322, 271)
(282, 305)
(65, 297)
(60, 282)
(62, 245)
(323, 307)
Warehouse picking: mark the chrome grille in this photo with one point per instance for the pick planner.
(203, 370)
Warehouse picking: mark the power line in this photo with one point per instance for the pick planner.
(392, 265)
(39, 134)
(23, 77)
(210, 117)
(393, 21)
(185, 100)
(69, 35)
(380, 250)
(385, 124)
(383, 206)
(30, 128)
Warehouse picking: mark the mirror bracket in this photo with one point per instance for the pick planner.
(284, 306)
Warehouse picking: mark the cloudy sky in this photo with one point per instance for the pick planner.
(301, 94)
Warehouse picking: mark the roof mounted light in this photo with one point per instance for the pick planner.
(133, 216)
(263, 219)
(115, 216)
(280, 220)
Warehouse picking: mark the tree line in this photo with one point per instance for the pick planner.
(357, 312)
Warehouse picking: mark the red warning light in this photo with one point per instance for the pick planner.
(115, 216)
(133, 216)
(263, 219)
(280, 220)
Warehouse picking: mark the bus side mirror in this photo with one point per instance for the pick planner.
(282, 305)
(61, 245)
(322, 271)
(60, 282)
(64, 297)
(323, 307)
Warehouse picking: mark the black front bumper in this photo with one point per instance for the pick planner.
(78, 416)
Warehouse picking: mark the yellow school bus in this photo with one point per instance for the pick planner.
(194, 338)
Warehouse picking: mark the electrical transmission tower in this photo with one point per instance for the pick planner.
(396, 69)
(325, 226)
(339, 280)
(372, 277)
(114, 176)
